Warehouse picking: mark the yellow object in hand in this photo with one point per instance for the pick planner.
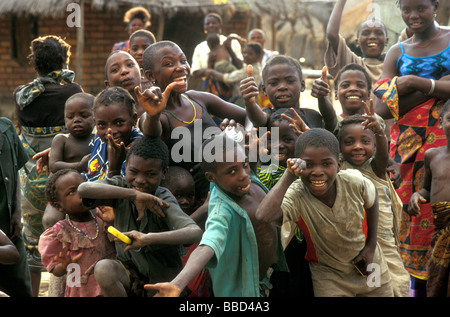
(119, 235)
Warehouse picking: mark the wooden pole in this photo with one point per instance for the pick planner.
(80, 45)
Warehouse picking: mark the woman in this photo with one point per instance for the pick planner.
(414, 87)
(136, 19)
(213, 24)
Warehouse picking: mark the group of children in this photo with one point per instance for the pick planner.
(323, 220)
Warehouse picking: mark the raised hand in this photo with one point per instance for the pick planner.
(297, 124)
(152, 100)
(250, 74)
(320, 87)
(145, 201)
(372, 121)
(249, 87)
(65, 258)
(296, 166)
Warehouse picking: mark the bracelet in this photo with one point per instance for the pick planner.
(433, 85)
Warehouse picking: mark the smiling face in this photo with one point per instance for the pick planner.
(357, 144)
(372, 38)
(114, 116)
(232, 176)
(283, 86)
(142, 174)
(169, 64)
(67, 198)
(418, 14)
(352, 90)
(122, 70)
(137, 48)
(79, 117)
(285, 147)
(319, 176)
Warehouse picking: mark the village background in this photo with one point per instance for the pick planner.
(292, 27)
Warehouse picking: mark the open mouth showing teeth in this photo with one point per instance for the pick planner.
(245, 188)
(353, 98)
(372, 45)
(179, 79)
(318, 183)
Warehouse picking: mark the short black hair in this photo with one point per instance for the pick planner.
(173, 173)
(317, 137)
(220, 142)
(117, 95)
(49, 53)
(142, 33)
(50, 187)
(214, 15)
(445, 107)
(353, 119)
(256, 47)
(114, 53)
(283, 60)
(355, 67)
(276, 116)
(148, 147)
(88, 98)
(147, 58)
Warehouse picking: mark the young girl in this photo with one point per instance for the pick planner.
(115, 120)
(282, 83)
(364, 147)
(178, 111)
(81, 238)
(122, 70)
(139, 41)
(415, 86)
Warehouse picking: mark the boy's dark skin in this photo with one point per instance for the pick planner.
(249, 199)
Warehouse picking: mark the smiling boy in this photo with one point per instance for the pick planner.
(140, 204)
(330, 207)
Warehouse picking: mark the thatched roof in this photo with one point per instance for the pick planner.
(57, 8)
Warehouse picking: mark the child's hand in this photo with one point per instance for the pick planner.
(363, 259)
(145, 201)
(152, 100)
(297, 124)
(116, 152)
(257, 144)
(83, 166)
(296, 166)
(413, 208)
(372, 121)
(106, 213)
(249, 89)
(164, 289)
(137, 240)
(320, 87)
(65, 259)
(42, 160)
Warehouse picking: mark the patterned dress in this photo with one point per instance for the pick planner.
(412, 135)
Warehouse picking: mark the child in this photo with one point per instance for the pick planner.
(237, 249)
(282, 83)
(72, 150)
(40, 114)
(80, 238)
(435, 190)
(139, 41)
(122, 70)
(14, 278)
(352, 89)
(179, 112)
(364, 147)
(371, 40)
(330, 206)
(251, 53)
(219, 57)
(115, 120)
(181, 184)
(150, 212)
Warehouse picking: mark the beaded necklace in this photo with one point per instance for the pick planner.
(81, 231)
(417, 45)
(185, 122)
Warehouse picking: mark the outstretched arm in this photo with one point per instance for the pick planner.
(249, 90)
(321, 90)
(196, 262)
(334, 24)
